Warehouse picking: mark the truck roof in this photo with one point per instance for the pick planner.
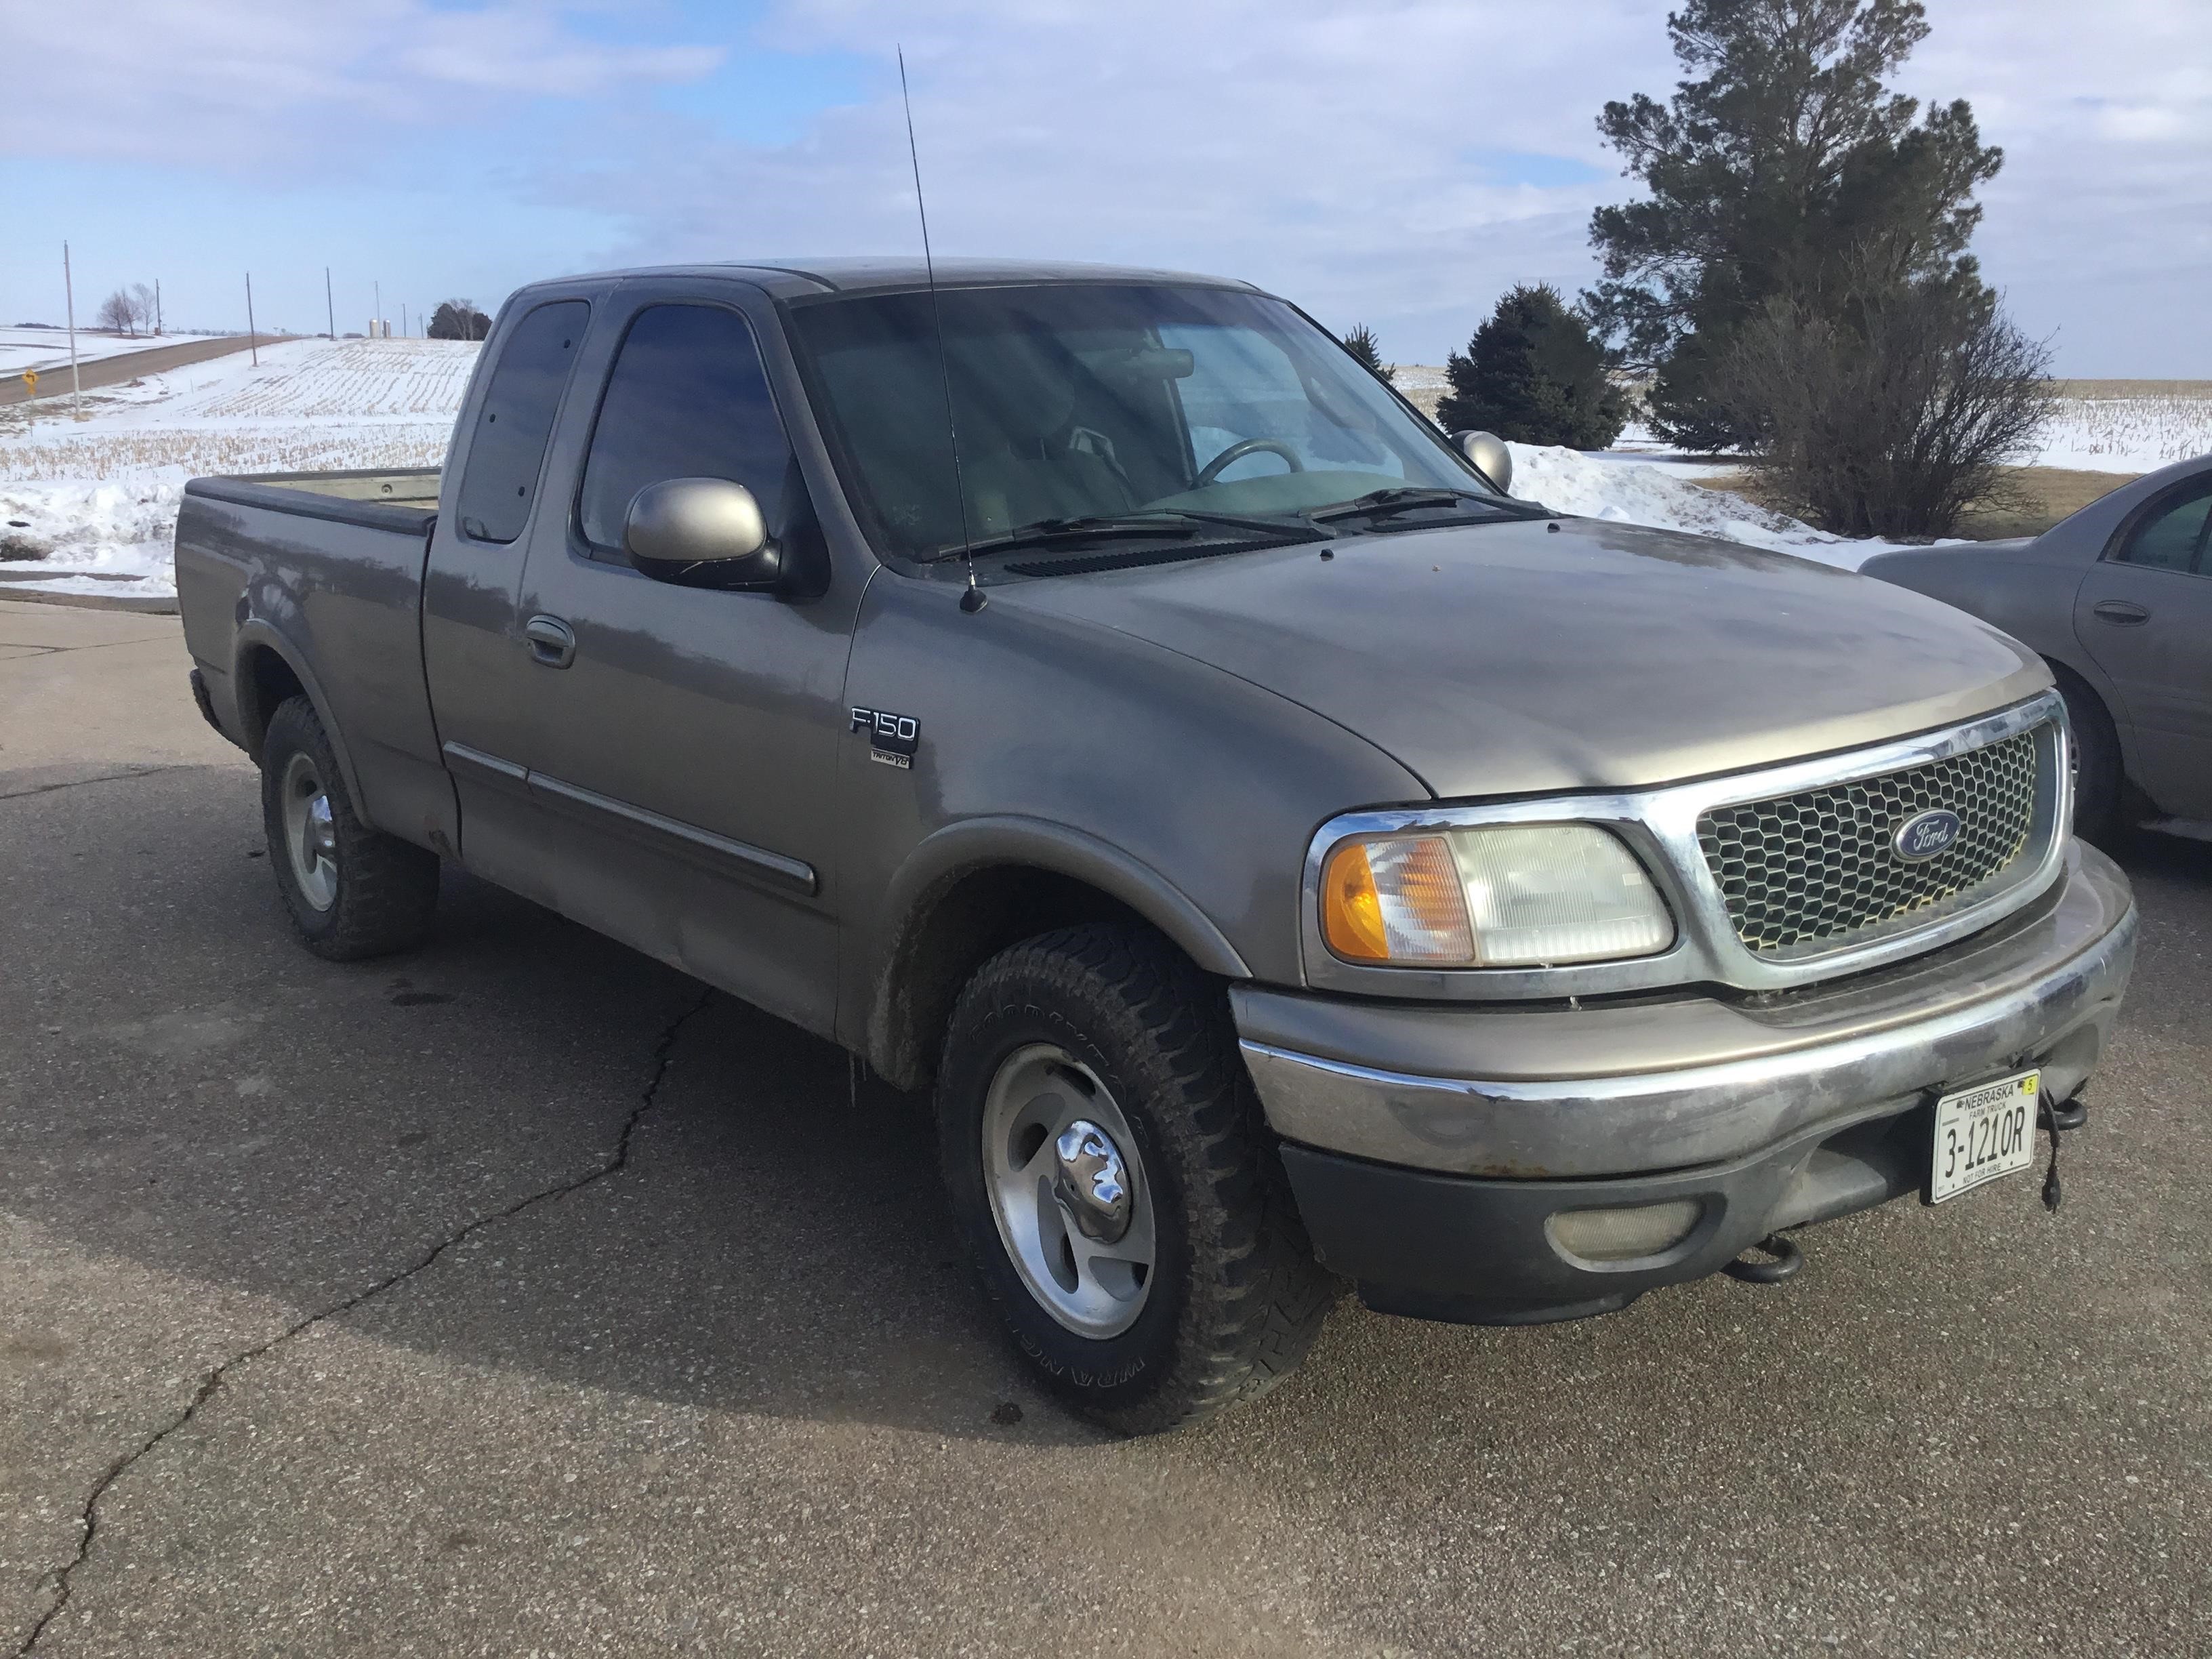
(795, 279)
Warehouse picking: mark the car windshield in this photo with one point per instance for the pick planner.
(1098, 401)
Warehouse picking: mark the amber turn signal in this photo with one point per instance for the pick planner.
(1351, 911)
(1397, 900)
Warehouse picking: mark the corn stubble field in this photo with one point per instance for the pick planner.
(2130, 423)
(310, 404)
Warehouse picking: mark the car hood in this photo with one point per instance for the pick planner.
(1517, 658)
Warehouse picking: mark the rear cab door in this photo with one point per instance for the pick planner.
(474, 656)
(2144, 613)
(682, 751)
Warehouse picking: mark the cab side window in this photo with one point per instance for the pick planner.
(507, 450)
(687, 398)
(2174, 537)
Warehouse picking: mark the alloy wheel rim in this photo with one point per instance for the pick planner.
(310, 832)
(1069, 1191)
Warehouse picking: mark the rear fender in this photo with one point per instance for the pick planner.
(257, 634)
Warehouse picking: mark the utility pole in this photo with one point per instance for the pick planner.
(157, 305)
(68, 295)
(252, 345)
(330, 306)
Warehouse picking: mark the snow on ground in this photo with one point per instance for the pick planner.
(48, 349)
(92, 505)
(1631, 491)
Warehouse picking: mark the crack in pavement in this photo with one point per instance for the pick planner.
(89, 1514)
(103, 777)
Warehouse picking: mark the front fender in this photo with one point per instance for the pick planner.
(1042, 844)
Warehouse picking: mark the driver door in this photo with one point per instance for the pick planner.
(683, 742)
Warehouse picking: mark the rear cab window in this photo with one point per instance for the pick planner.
(506, 447)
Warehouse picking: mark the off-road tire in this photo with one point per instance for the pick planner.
(387, 889)
(1236, 1297)
(2098, 781)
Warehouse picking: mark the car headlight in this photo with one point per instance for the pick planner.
(1498, 895)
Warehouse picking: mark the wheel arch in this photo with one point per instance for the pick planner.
(268, 669)
(974, 888)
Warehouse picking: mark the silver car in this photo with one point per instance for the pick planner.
(2117, 599)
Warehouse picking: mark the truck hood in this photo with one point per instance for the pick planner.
(1516, 658)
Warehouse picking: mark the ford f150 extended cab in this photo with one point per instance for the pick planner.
(1290, 858)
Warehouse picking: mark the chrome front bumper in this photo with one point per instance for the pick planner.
(1629, 1088)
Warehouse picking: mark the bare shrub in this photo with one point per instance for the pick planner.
(1891, 414)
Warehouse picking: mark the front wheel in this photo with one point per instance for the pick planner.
(1108, 1164)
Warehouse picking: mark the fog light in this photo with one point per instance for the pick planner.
(1624, 1235)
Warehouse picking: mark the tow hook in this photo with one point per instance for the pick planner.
(1787, 1259)
(2065, 1117)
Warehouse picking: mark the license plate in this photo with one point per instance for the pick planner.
(1983, 1133)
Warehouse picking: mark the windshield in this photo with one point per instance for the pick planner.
(1091, 400)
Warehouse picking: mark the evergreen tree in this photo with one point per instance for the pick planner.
(1361, 343)
(1782, 161)
(1535, 375)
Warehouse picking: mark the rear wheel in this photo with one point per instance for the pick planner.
(350, 891)
(1108, 1164)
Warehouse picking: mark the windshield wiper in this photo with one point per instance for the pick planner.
(1173, 522)
(1401, 498)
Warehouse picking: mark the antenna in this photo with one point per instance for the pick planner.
(973, 599)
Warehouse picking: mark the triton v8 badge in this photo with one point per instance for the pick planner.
(892, 739)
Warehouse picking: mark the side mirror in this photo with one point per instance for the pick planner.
(1487, 454)
(701, 532)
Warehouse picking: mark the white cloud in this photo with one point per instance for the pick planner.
(281, 85)
(1344, 152)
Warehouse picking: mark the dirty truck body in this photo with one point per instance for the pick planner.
(1305, 865)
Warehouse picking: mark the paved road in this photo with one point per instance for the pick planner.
(514, 1298)
(124, 366)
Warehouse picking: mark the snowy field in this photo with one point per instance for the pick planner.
(2129, 426)
(91, 505)
(2101, 425)
(48, 349)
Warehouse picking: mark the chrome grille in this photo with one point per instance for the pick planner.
(1818, 869)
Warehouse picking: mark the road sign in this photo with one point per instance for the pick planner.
(30, 383)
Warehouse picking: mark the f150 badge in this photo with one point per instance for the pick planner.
(892, 739)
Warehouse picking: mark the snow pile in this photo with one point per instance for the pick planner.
(90, 507)
(110, 538)
(1656, 494)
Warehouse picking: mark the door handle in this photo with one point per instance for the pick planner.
(2126, 613)
(552, 641)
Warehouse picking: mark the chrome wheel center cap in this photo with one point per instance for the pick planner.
(1090, 1182)
(322, 833)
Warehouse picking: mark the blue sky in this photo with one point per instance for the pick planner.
(1397, 163)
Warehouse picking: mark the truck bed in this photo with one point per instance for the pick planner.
(292, 581)
(406, 500)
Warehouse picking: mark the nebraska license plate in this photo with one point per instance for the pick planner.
(1983, 1133)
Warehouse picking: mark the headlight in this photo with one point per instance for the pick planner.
(1500, 896)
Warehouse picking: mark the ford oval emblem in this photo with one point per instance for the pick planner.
(1927, 835)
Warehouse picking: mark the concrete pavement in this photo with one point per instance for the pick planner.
(516, 1297)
